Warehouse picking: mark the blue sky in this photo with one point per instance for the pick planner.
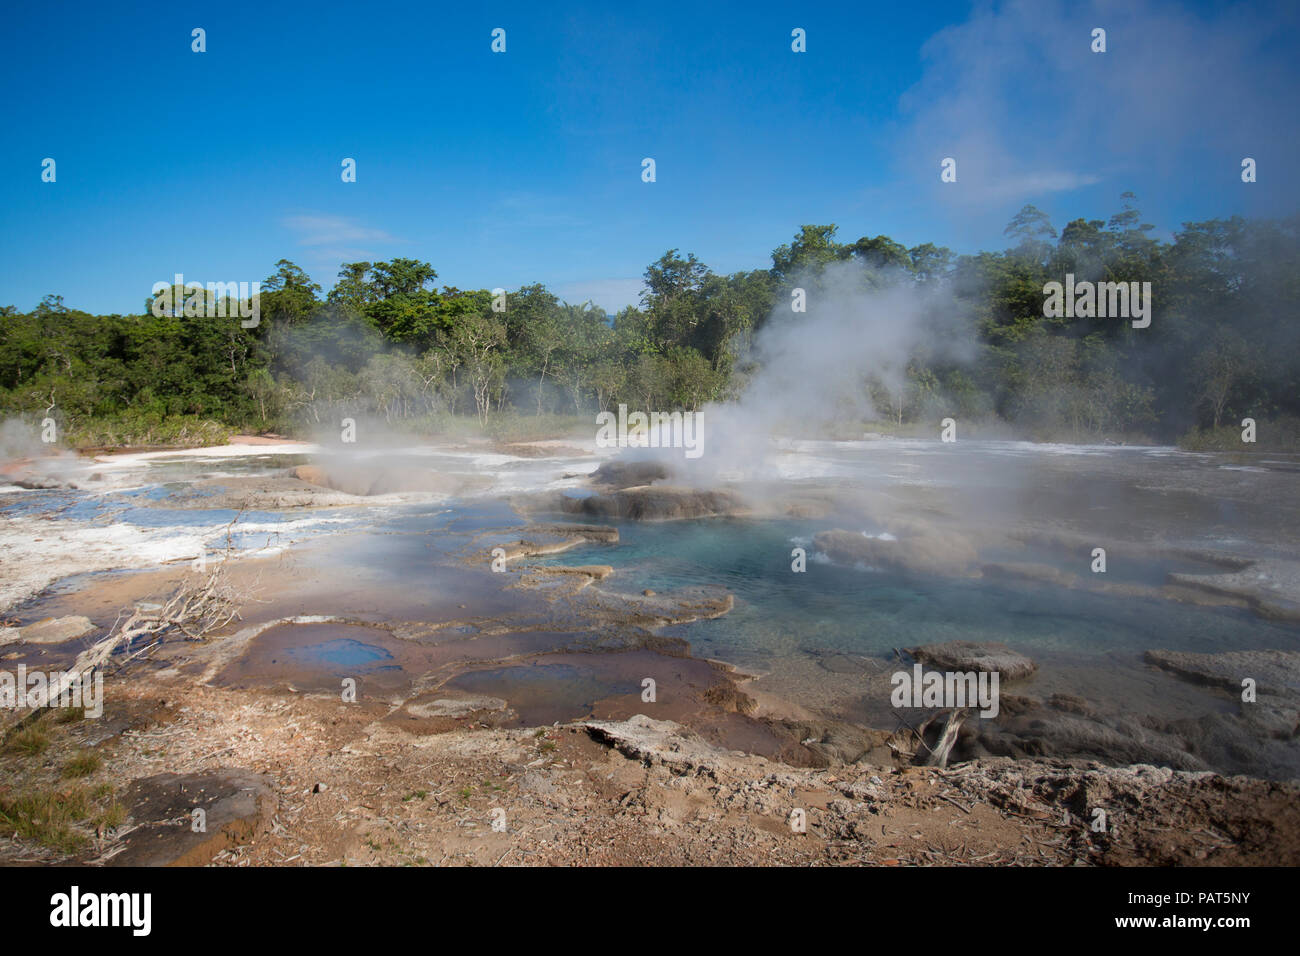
(502, 169)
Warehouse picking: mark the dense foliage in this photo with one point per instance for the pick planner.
(386, 342)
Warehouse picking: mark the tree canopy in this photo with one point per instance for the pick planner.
(387, 340)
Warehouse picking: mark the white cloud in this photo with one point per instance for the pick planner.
(1016, 95)
(1029, 184)
(326, 230)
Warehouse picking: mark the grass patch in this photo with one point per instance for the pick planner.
(31, 741)
(1279, 435)
(513, 427)
(47, 818)
(147, 429)
(112, 816)
(54, 818)
(82, 765)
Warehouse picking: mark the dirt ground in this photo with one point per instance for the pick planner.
(364, 784)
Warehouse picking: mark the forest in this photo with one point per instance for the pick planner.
(388, 343)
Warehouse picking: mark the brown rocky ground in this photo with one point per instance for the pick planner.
(295, 779)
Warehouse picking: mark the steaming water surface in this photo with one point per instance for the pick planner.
(782, 621)
(813, 635)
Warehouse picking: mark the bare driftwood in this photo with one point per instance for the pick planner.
(947, 736)
(194, 609)
(202, 604)
(908, 743)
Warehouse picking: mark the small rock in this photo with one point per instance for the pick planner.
(456, 707)
(238, 806)
(51, 630)
(961, 656)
